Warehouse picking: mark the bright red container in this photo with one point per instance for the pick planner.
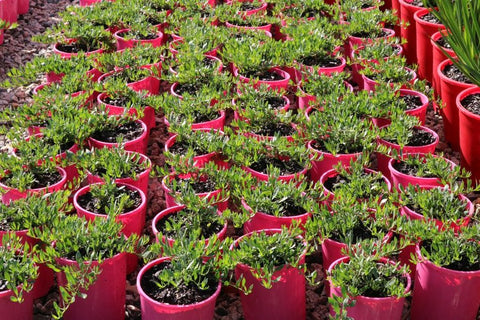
(136, 145)
(10, 11)
(13, 310)
(123, 43)
(357, 42)
(277, 84)
(442, 293)
(23, 6)
(409, 32)
(68, 55)
(154, 310)
(106, 297)
(285, 300)
(449, 90)
(437, 57)
(423, 45)
(469, 124)
(368, 308)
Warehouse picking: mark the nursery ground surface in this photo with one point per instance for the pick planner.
(19, 49)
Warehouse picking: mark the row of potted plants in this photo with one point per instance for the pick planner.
(272, 166)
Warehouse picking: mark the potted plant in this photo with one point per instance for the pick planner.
(393, 71)
(367, 285)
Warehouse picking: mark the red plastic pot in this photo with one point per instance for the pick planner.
(172, 210)
(327, 70)
(449, 91)
(132, 221)
(370, 84)
(423, 45)
(382, 160)
(150, 84)
(222, 204)
(353, 42)
(468, 135)
(442, 293)
(68, 55)
(105, 297)
(10, 11)
(285, 300)
(409, 32)
(319, 167)
(438, 57)
(154, 310)
(419, 112)
(140, 182)
(456, 225)
(23, 6)
(148, 112)
(136, 145)
(12, 194)
(278, 84)
(13, 310)
(368, 308)
(399, 178)
(262, 221)
(85, 3)
(123, 43)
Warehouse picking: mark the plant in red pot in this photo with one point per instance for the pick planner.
(274, 204)
(407, 29)
(402, 136)
(135, 78)
(21, 216)
(425, 170)
(269, 267)
(89, 258)
(115, 163)
(258, 62)
(393, 72)
(232, 17)
(447, 268)
(17, 276)
(184, 283)
(139, 33)
(367, 285)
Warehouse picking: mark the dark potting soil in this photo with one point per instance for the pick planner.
(117, 101)
(265, 76)
(209, 228)
(417, 3)
(181, 148)
(186, 87)
(199, 185)
(139, 36)
(285, 167)
(408, 169)
(321, 61)
(419, 138)
(452, 72)
(5, 224)
(270, 129)
(88, 202)
(181, 295)
(412, 101)
(74, 48)
(290, 209)
(364, 35)
(337, 181)
(462, 265)
(472, 103)
(345, 148)
(429, 17)
(443, 43)
(275, 102)
(128, 131)
(248, 6)
(360, 232)
(42, 179)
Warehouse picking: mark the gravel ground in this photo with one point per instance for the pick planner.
(18, 49)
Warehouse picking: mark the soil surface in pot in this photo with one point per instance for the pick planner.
(338, 180)
(181, 148)
(118, 101)
(365, 35)
(209, 228)
(443, 43)
(418, 138)
(127, 132)
(359, 232)
(462, 265)
(429, 17)
(270, 129)
(74, 48)
(411, 170)
(454, 73)
(265, 76)
(199, 185)
(88, 202)
(246, 6)
(472, 103)
(181, 295)
(320, 145)
(322, 61)
(139, 36)
(416, 3)
(290, 209)
(413, 102)
(190, 88)
(285, 167)
(41, 179)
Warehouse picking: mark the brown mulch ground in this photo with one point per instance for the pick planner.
(18, 49)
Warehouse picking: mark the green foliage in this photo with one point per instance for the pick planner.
(112, 199)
